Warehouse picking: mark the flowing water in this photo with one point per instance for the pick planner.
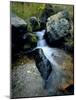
(48, 51)
(52, 54)
(41, 42)
(27, 81)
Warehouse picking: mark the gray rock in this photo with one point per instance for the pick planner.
(30, 41)
(26, 81)
(42, 64)
(57, 26)
(17, 21)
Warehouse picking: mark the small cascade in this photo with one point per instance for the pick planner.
(56, 73)
(41, 41)
(48, 51)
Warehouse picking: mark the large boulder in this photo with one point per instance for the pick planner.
(57, 27)
(18, 29)
(42, 64)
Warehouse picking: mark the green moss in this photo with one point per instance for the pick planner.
(25, 10)
(69, 42)
(29, 28)
(32, 37)
(33, 27)
(31, 41)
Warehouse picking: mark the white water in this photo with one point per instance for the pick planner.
(48, 52)
(41, 42)
(57, 74)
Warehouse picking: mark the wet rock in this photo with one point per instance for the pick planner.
(42, 64)
(57, 28)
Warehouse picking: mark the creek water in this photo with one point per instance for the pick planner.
(57, 73)
(27, 81)
(48, 51)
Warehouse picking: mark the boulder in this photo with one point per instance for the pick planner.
(42, 64)
(57, 28)
(18, 29)
(30, 41)
(33, 24)
(17, 21)
(47, 12)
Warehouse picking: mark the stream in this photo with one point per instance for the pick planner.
(56, 57)
(27, 81)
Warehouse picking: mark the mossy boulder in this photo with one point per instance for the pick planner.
(30, 41)
(33, 24)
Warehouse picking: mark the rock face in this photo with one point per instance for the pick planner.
(42, 64)
(57, 27)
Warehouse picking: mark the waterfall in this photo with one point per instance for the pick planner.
(57, 73)
(41, 41)
(48, 51)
